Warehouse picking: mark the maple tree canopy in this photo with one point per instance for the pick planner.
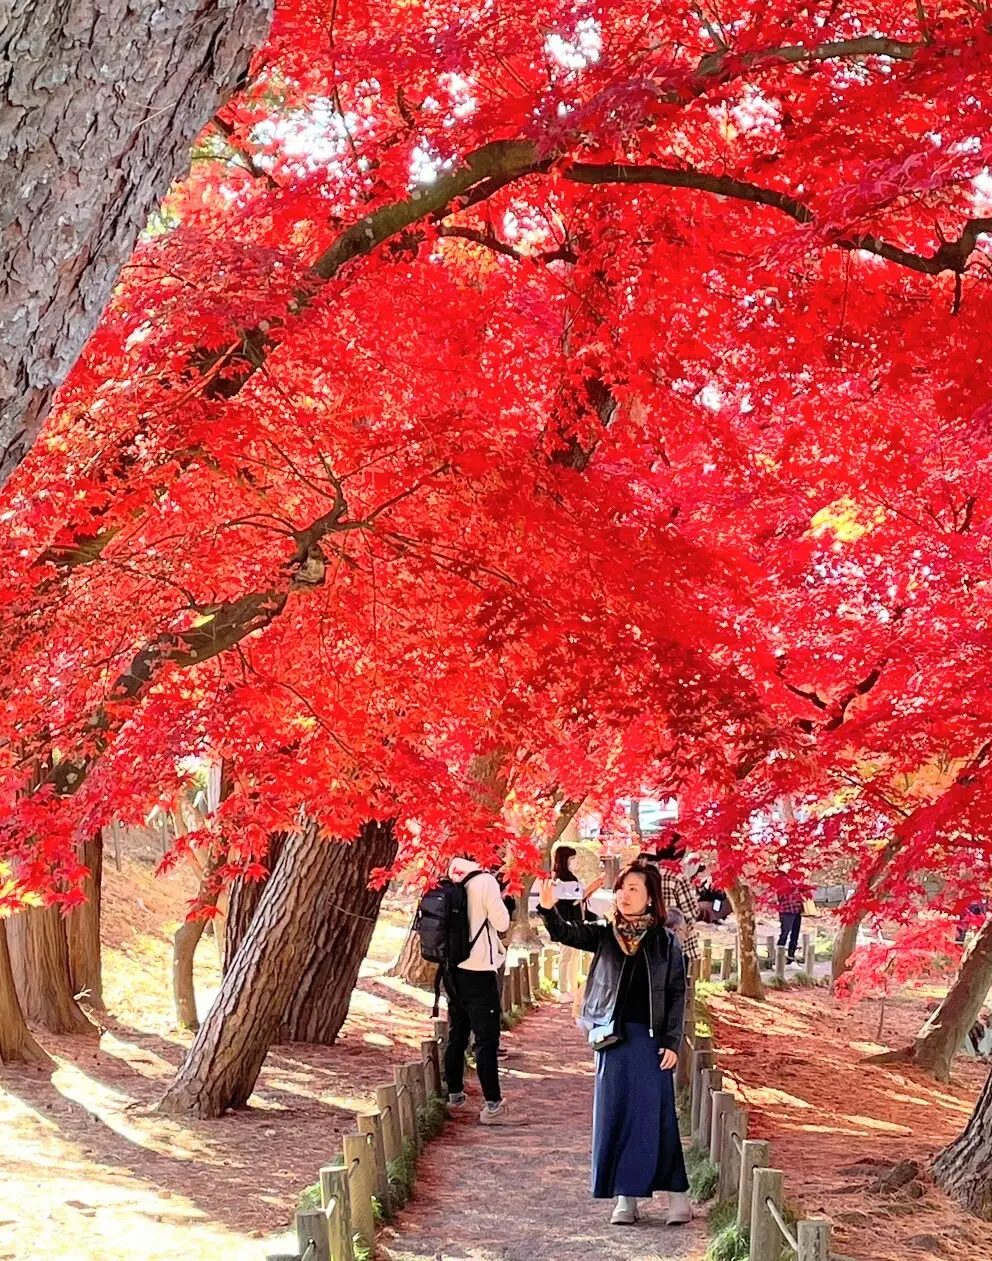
(596, 386)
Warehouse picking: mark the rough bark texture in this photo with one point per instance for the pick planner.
(411, 966)
(347, 914)
(844, 945)
(185, 941)
(272, 963)
(964, 1167)
(748, 967)
(99, 103)
(244, 900)
(17, 1046)
(83, 929)
(944, 1033)
(39, 951)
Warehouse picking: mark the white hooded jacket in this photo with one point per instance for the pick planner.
(485, 903)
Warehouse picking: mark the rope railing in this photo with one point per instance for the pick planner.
(782, 1224)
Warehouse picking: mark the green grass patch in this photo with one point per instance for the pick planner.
(431, 1118)
(361, 1250)
(683, 1106)
(309, 1198)
(730, 1243)
(402, 1173)
(703, 1174)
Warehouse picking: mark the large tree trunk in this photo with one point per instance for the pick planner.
(411, 966)
(964, 1167)
(39, 952)
(99, 103)
(748, 967)
(944, 1033)
(844, 946)
(272, 962)
(17, 1046)
(83, 929)
(244, 899)
(318, 1005)
(185, 941)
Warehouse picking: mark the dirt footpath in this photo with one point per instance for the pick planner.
(521, 1192)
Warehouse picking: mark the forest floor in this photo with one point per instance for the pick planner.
(836, 1124)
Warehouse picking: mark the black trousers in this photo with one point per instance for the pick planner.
(789, 925)
(473, 1011)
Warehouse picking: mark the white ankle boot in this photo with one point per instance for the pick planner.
(625, 1213)
(679, 1208)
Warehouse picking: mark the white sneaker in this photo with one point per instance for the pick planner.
(500, 1115)
(679, 1208)
(625, 1213)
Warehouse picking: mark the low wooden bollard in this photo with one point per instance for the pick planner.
(683, 1068)
(392, 1124)
(418, 1076)
(754, 1155)
(506, 993)
(441, 1035)
(407, 1100)
(361, 1183)
(727, 964)
(534, 967)
(720, 1106)
(710, 1079)
(313, 1227)
(513, 977)
(770, 951)
(371, 1125)
(706, 963)
(734, 1136)
(549, 958)
(335, 1199)
(525, 990)
(766, 1238)
(702, 1057)
(780, 957)
(813, 1236)
(432, 1066)
(809, 952)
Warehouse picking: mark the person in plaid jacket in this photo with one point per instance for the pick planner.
(678, 890)
(790, 914)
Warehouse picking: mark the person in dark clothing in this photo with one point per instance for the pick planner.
(790, 918)
(571, 903)
(636, 986)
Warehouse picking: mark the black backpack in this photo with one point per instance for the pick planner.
(441, 923)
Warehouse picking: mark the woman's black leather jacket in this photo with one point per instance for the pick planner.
(666, 971)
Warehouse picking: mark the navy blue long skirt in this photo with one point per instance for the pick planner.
(636, 1149)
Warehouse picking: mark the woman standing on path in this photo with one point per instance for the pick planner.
(571, 898)
(634, 1002)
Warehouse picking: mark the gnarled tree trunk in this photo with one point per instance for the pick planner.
(99, 103)
(845, 943)
(83, 929)
(348, 910)
(17, 1046)
(964, 1167)
(748, 967)
(273, 961)
(411, 966)
(39, 952)
(244, 899)
(944, 1033)
(185, 941)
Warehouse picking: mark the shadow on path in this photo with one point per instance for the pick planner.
(521, 1192)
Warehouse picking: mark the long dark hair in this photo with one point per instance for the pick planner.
(563, 856)
(652, 879)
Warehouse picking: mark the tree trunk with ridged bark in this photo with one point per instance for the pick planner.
(748, 965)
(964, 1167)
(83, 929)
(411, 966)
(274, 961)
(945, 1031)
(244, 899)
(17, 1046)
(99, 104)
(39, 953)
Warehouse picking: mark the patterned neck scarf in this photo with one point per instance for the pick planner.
(631, 931)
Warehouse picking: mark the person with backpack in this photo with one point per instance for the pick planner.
(459, 923)
(632, 1015)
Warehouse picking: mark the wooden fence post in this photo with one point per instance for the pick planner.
(706, 964)
(407, 1100)
(727, 964)
(723, 1101)
(710, 1079)
(358, 1162)
(312, 1225)
(813, 1237)
(770, 951)
(766, 1239)
(371, 1125)
(754, 1155)
(809, 950)
(506, 994)
(392, 1124)
(702, 1057)
(513, 977)
(534, 966)
(432, 1066)
(335, 1190)
(441, 1035)
(780, 957)
(683, 1067)
(525, 994)
(734, 1127)
(548, 955)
